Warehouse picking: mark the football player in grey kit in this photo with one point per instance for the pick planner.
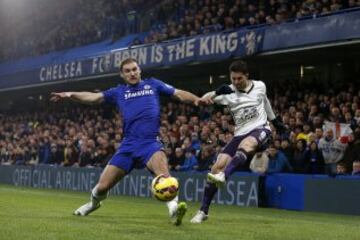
(251, 111)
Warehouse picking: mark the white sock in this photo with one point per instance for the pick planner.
(172, 205)
(96, 197)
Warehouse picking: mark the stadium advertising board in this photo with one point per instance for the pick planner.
(240, 190)
(336, 196)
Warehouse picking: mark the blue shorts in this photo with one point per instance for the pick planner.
(135, 153)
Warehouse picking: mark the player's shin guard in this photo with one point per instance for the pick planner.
(239, 159)
(96, 197)
(209, 193)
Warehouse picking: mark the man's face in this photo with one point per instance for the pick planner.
(131, 73)
(239, 80)
(284, 144)
(356, 166)
(329, 134)
(292, 122)
(318, 133)
(340, 169)
(272, 151)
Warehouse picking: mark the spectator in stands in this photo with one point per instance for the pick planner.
(195, 142)
(70, 156)
(356, 168)
(287, 149)
(277, 161)
(341, 169)
(44, 151)
(190, 161)
(332, 151)
(352, 151)
(205, 159)
(19, 156)
(177, 160)
(298, 162)
(314, 159)
(56, 155)
(85, 158)
(259, 163)
(305, 133)
(318, 134)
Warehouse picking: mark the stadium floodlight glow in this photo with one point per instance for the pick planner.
(309, 67)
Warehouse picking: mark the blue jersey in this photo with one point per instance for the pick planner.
(140, 106)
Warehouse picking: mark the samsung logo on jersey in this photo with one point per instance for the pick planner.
(139, 93)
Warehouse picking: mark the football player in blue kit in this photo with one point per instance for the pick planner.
(138, 101)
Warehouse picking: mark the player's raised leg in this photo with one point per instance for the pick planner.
(109, 177)
(244, 151)
(224, 167)
(158, 165)
(211, 188)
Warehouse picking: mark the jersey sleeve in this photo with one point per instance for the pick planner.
(163, 87)
(110, 95)
(221, 100)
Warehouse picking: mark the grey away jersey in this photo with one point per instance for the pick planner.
(250, 109)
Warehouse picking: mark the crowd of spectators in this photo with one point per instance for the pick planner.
(193, 136)
(43, 26)
(194, 17)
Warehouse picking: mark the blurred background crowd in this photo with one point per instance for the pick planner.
(193, 136)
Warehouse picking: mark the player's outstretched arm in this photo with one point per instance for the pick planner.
(186, 96)
(208, 98)
(217, 95)
(83, 97)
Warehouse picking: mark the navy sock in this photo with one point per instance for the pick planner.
(239, 159)
(209, 193)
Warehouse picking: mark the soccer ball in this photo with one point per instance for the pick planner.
(164, 188)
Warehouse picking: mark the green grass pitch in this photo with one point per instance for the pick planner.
(27, 213)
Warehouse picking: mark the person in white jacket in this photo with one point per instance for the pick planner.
(259, 163)
(332, 150)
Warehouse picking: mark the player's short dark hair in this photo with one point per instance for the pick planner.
(239, 66)
(127, 61)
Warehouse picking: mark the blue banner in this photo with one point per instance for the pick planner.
(104, 58)
(202, 48)
(341, 27)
